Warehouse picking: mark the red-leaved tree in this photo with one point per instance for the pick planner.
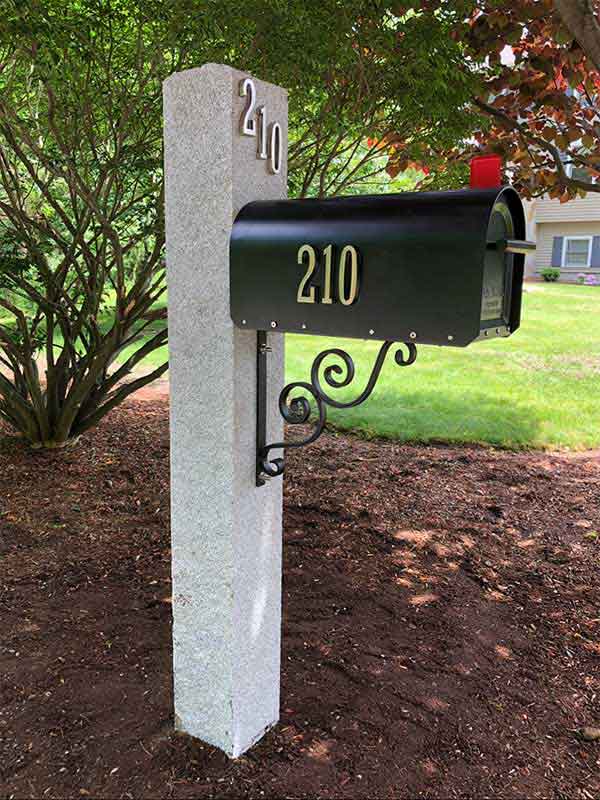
(538, 63)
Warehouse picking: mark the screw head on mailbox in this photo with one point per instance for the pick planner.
(432, 262)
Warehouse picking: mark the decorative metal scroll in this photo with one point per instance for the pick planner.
(296, 408)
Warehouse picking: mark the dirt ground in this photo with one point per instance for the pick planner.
(441, 634)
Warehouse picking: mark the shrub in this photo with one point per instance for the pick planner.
(82, 268)
(550, 274)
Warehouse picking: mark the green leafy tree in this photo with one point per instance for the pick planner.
(82, 272)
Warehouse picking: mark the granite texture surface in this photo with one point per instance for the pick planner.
(226, 532)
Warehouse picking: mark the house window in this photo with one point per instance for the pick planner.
(579, 173)
(577, 251)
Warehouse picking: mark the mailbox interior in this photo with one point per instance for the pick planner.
(423, 260)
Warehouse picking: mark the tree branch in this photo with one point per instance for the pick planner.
(524, 130)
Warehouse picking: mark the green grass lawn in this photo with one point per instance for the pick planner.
(540, 388)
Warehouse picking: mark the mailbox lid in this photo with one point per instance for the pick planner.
(420, 259)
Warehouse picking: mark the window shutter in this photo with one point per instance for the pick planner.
(557, 248)
(595, 262)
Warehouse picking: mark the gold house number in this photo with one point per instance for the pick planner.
(348, 284)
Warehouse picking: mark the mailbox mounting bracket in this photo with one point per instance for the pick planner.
(296, 409)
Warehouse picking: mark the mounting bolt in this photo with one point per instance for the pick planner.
(412, 335)
(273, 324)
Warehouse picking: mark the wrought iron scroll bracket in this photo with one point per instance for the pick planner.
(296, 409)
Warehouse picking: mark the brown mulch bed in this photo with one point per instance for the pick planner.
(441, 634)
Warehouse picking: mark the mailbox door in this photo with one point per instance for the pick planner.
(503, 270)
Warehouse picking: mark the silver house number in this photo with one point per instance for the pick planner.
(269, 145)
(248, 123)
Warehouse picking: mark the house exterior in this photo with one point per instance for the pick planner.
(567, 236)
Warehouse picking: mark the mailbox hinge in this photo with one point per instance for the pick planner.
(297, 410)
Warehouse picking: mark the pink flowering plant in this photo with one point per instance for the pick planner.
(588, 278)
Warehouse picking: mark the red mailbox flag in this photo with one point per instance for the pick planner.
(486, 172)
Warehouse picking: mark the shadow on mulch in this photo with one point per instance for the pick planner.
(441, 633)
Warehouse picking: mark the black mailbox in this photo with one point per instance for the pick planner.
(441, 268)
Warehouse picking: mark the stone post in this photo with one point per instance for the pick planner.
(226, 532)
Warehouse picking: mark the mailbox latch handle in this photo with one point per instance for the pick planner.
(520, 246)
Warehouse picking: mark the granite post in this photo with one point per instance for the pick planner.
(226, 532)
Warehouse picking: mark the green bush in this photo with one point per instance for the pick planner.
(550, 274)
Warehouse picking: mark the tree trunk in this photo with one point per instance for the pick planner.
(580, 19)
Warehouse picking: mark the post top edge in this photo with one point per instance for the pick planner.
(223, 70)
(186, 73)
